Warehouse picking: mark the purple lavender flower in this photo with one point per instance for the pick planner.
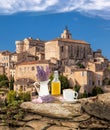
(42, 74)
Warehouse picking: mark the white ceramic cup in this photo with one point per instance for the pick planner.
(69, 95)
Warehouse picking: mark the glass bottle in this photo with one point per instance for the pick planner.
(56, 85)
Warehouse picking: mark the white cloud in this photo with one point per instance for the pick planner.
(99, 8)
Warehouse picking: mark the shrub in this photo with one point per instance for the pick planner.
(80, 65)
(11, 85)
(96, 91)
(76, 88)
(24, 96)
(106, 81)
(4, 81)
(84, 95)
(11, 96)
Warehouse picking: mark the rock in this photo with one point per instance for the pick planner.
(55, 110)
(83, 117)
(99, 106)
(37, 125)
(58, 128)
(51, 121)
(94, 123)
(24, 128)
(29, 117)
(16, 123)
(5, 128)
(70, 124)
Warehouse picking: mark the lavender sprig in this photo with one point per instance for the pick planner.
(42, 74)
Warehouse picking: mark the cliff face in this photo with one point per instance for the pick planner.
(90, 113)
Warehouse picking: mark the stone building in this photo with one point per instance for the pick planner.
(25, 73)
(5, 60)
(27, 43)
(67, 50)
(82, 77)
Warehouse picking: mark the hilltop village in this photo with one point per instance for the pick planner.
(73, 58)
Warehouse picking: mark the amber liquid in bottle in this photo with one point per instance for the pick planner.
(56, 85)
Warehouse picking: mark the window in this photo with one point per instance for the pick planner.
(98, 76)
(99, 82)
(83, 73)
(62, 48)
(90, 82)
(33, 68)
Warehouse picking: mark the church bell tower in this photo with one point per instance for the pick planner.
(66, 34)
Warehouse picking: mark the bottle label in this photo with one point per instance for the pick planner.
(55, 88)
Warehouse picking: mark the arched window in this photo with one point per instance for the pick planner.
(62, 48)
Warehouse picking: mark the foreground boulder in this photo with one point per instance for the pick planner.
(99, 106)
(54, 110)
(87, 114)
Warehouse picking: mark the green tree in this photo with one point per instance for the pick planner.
(106, 81)
(96, 91)
(11, 86)
(11, 96)
(80, 65)
(4, 82)
(76, 88)
(84, 95)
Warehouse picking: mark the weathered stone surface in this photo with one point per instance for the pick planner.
(29, 117)
(24, 128)
(70, 124)
(94, 123)
(4, 128)
(99, 107)
(58, 128)
(83, 117)
(87, 114)
(51, 121)
(16, 123)
(37, 125)
(56, 110)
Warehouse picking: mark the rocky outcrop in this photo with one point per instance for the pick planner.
(99, 107)
(88, 114)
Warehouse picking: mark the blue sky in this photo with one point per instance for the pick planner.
(87, 20)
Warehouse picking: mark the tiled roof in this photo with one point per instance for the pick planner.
(34, 62)
(70, 40)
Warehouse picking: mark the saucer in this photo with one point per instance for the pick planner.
(64, 101)
(61, 99)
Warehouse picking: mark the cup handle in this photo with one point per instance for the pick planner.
(76, 95)
(35, 85)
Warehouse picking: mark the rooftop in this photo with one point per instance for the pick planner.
(34, 62)
(70, 40)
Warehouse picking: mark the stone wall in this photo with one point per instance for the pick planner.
(85, 114)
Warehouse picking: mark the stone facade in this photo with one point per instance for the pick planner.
(65, 49)
(5, 58)
(2, 70)
(27, 43)
(27, 71)
(82, 77)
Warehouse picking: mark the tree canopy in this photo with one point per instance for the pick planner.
(4, 82)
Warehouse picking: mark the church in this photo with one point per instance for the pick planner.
(67, 50)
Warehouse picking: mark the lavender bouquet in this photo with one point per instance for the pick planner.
(42, 74)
